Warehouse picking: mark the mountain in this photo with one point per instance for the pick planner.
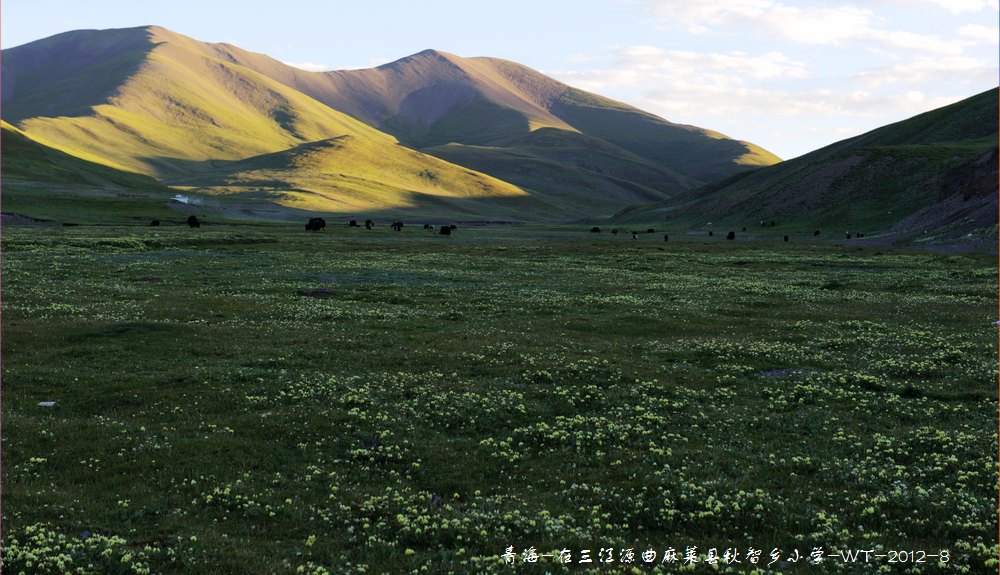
(419, 132)
(931, 176)
(433, 98)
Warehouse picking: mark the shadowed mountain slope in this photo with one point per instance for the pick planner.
(26, 159)
(933, 170)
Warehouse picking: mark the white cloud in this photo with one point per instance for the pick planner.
(948, 71)
(980, 34)
(308, 66)
(728, 91)
(912, 42)
(839, 24)
(688, 63)
(961, 6)
(687, 100)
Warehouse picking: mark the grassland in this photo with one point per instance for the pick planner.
(867, 182)
(239, 399)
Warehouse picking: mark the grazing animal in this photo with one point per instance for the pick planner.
(445, 231)
(772, 223)
(665, 237)
(786, 238)
(154, 223)
(595, 230)
(744, 228)
(397, 226)
(635, 236)
(731, 236)
(615, 231)
(352, 224)
(453, 226)
(315, 225)
(428, 227)
(369, 224)
(848, 235)
(710, 234)
(193, 222)
(650, 231)
(816, 233)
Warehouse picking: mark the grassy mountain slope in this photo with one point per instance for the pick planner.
(558, 164)
(698, 153)
(350, 174)
(26, 159)
(181, 105)
(90, 67)
(434, 98)
(46, 183)
(872, 181)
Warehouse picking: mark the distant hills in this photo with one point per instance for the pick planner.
(97, 114)
(931, 177)
(430, 133)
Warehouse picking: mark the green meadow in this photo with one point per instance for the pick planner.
(259, 399)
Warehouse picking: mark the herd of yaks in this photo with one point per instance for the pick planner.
(319, 224)
(730, 236)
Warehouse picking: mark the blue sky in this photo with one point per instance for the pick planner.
(789, 75)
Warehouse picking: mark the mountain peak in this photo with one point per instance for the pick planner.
(431, 52)
(430, 56)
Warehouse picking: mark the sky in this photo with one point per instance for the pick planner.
(788, 75)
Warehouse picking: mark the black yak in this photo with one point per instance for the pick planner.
(193, 222)
(315, 225)
(595, 230)
(397, 226)
(369, 224)
(816, 233)
(154, 223)
(445, 231)
(731, 236)
(786, 238)
(352, 224)
(665, 237)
